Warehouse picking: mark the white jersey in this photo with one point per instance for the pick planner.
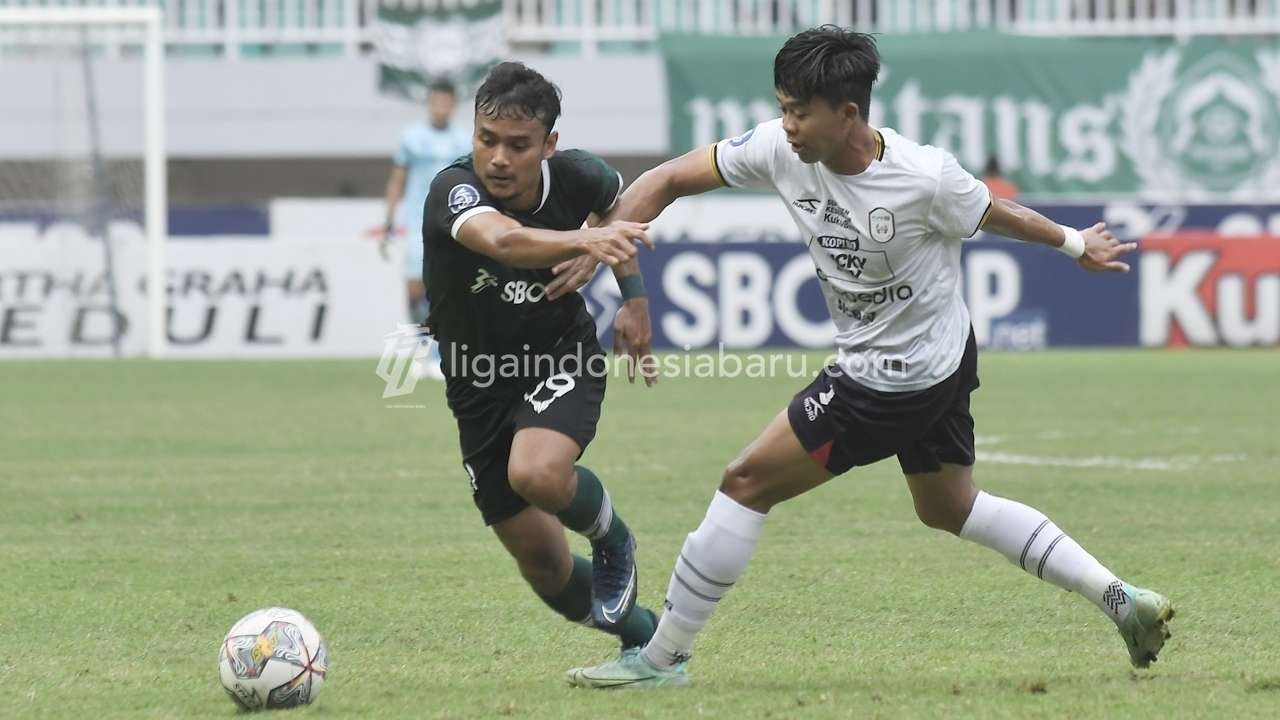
(886, 245)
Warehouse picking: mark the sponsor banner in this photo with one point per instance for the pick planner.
(416, 45)
(1204, 289)
(1097, 116)
(229, 296)
(302, 280)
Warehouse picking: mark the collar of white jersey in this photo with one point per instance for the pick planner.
(546, 185)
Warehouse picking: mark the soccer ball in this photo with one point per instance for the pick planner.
(272, 658)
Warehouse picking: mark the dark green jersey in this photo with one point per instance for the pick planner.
(496, 310)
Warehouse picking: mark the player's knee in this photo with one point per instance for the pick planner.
(541, 482)
(947, 514)
(742, 483)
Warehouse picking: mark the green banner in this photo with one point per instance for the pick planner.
(416, 46)
(1079, 117)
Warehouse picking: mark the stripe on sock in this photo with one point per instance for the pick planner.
(1026, 548)
(1045, 556)
(702, 576)
(604, 519)
(695, 593)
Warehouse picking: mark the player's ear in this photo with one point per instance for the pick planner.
(549, 146)
(849, 111)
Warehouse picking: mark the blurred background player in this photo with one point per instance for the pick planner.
(425, 148)
(1000, 186)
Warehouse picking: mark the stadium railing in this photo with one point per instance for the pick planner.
(240, 28)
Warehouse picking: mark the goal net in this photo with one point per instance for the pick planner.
(82, 182)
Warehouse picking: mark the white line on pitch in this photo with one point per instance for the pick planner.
(1178, 462)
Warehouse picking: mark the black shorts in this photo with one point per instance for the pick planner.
(488, 420)
(843, 424)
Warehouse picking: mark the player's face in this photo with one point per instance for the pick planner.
(509, 154)
(440, 106)
(815, 129)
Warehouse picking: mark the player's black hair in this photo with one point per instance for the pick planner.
(443, 85)
(828, 62)
(514, 90)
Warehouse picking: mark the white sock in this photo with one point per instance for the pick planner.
(1031, 541)
(709, 564)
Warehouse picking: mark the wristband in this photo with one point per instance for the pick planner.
(1073, 246)
(632, 286)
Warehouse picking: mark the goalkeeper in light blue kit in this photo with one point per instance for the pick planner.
(424, 149)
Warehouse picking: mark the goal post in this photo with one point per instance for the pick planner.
(33, 30)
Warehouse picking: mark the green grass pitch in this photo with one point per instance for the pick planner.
(145, 506)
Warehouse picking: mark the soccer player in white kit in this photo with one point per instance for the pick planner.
(884, 218)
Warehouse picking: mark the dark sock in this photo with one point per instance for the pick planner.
(638, 628)
(574, 604)
(591, 513)
(574, 601)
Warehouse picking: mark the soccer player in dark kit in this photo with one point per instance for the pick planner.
(525, 371)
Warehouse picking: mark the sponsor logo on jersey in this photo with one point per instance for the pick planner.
(849, 262)
(807, 204)
(837, 215)
(742, 139)
(863, 306)
(836, 242)
(519, 292)
(880, 223)
(484, 279)
(462, 197)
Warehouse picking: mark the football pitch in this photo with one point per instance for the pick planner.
(145, 506)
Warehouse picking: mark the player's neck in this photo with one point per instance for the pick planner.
(861, 150)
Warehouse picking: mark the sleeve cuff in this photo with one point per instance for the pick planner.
(464, 217)
(617, 196)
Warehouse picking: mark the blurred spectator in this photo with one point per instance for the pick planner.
(425, 148)
(996, 183)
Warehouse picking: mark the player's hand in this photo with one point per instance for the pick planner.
(615, 243)
(572, 276)
(1101, 250)
(384, 243)
(633, 335)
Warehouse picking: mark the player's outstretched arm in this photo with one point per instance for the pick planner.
(514, 245)
(1095, 248)
(392, 195)
(690, 174)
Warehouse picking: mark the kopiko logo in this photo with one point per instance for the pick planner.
(1211, 125)
(401, 349)
(462, 197)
